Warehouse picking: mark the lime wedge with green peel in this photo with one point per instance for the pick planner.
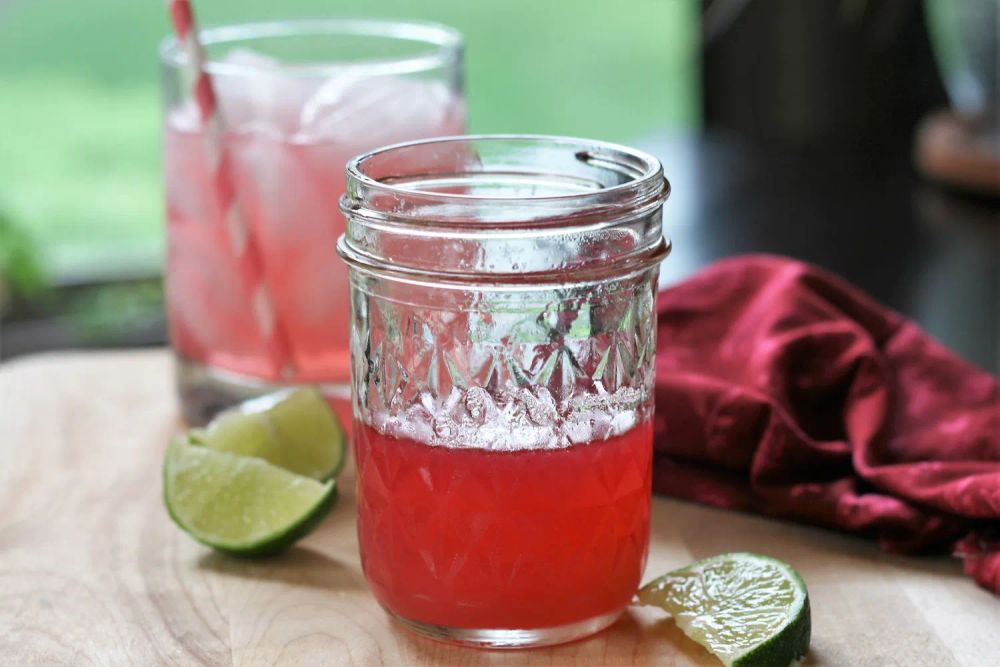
(241, 505)
(294, 429)
(748, 610)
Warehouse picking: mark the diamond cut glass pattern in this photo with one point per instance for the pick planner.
(554, 366)
(502, 358)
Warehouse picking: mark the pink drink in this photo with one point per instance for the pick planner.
(290, 177)
(296, 99)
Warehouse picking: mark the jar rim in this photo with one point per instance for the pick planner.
(466, 209)
(646, 186)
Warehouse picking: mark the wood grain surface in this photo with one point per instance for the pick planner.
(92, 572)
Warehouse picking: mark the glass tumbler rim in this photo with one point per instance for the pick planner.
(445, 45)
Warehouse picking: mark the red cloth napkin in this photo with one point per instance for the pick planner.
(783, 390)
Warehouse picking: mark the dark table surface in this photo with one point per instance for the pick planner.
(930, 254)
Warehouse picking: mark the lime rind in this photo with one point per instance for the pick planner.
(294, 429)
(241, 505)
(747, 609)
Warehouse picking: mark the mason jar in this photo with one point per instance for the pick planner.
(502, 346)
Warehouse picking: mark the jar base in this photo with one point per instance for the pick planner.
(510, 638)
(205, 390)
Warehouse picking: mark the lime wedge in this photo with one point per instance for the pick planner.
(293, 429)
(241, 505)
(746, 609)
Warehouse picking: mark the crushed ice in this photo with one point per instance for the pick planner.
(515, 420)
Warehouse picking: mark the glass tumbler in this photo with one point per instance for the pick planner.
(297, 100)
(502, 345)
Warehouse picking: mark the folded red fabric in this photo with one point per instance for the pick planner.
(783, 390)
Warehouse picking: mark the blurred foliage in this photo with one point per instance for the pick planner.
(104, 313)
(83, 176)
(21, 274)
(81, 172)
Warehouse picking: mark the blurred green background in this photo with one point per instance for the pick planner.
(79, 145)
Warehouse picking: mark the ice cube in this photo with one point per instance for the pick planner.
(445, 429)
(479, 405)
(368, 111)
(209, 313)
(284, 197)
(187, 171)
(184, 117)
(541, 407)
(261, 92)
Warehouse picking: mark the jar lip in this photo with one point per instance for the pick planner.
(494, 209)
(646, 184)
(521, 281)
(444, 44)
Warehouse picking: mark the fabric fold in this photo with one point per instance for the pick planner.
(783, 390)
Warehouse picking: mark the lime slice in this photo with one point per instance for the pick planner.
(746, 609)
(241, 505)
(294, 429)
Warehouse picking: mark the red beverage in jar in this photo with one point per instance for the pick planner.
(502, 348)
(467, 537)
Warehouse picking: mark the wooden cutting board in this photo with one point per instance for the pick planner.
(93, 572)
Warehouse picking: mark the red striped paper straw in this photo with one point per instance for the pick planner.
(244, 246)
